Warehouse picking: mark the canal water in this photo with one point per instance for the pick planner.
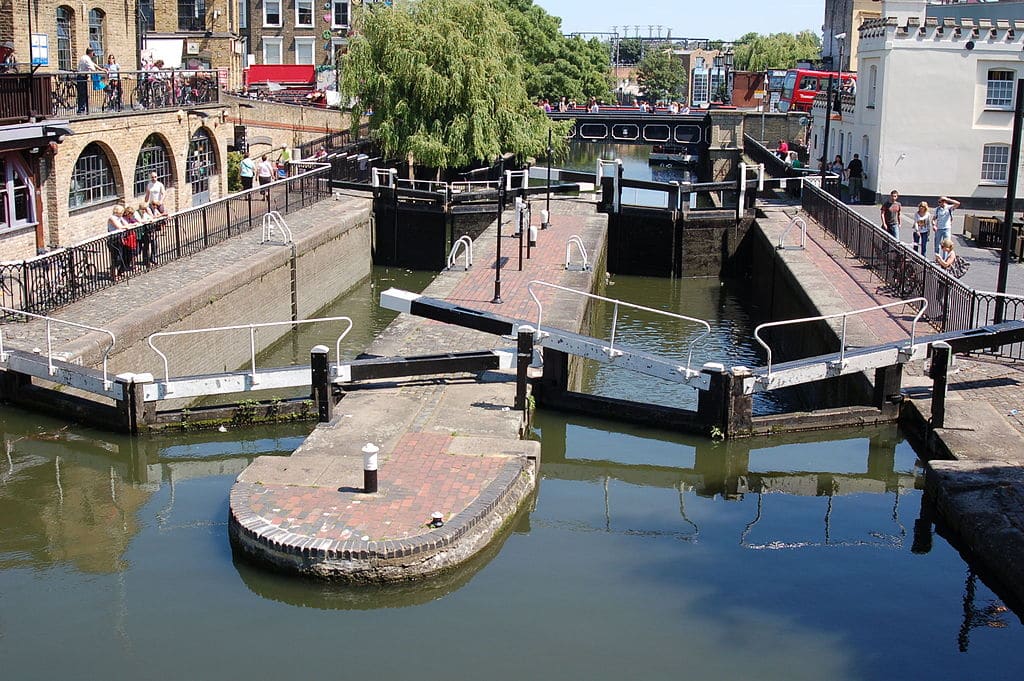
(583, 157)
(645, 555)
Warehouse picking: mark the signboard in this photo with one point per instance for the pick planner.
(222, 76)
(40, 49)
(758, 94)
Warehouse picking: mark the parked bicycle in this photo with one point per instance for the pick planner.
(61, 280)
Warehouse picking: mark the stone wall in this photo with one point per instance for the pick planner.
(285, 124)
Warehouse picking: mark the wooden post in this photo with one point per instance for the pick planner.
(321, 381)
(130, 406)
(555, 379)
(713, 403)
(942, 352)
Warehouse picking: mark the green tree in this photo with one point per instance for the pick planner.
(631, 50)
(660, 76)
(445, 82)
(756, 52)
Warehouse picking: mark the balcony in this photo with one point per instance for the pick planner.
(76, 95)
(23, 97)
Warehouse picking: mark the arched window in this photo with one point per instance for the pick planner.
(995, 163)
(92, 180)
(96, 18)
(153, 156)
(201, 163)
(65, 20)
(999, 93)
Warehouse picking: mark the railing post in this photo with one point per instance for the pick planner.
(524, 356)
(177, 237)
(942, 352)
(321, 381)
(206, 230)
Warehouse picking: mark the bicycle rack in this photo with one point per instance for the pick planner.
(466, 244)
(803, 235)
(272, 222)
(575, 239)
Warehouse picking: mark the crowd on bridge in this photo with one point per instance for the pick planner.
(593, 105)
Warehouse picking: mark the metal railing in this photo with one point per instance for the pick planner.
(63, 276)
(788, 178)
(79, 94)
(842, 335)
(252, 328)
(906, 273)
(610, 349)
(50, 321)
(797, 221)
(576, 241)
(465, 244)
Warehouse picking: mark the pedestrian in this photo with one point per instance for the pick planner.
(116, 227)
(891, 214)
(264, 171)
(246, 171)
(944, 220)
(155, 194)
(85, 65)
(855, 173)
(783, 149)
(924, 224)
(946, 256)
(113, 82)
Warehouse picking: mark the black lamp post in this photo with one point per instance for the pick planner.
(497, 257)
(841, 37)
(1011, 197)
(547, 205)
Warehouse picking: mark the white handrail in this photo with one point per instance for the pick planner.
(431, 185)
(844, 316)
(49, 340)
(575, 239)
(469, 185)
(803, 233)
(524, 176)
(610, 350)
(383, 177)
(272, 221)
(467, 248)
(252, 339)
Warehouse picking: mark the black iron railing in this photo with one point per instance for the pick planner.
(776, 167)
(54, 279)
(905, 273)
(82, 94)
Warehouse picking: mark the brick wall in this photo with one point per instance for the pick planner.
(286, 124)
(119, 34)
(121, 137)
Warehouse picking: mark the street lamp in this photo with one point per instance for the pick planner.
(1011, 197)
(841, 37)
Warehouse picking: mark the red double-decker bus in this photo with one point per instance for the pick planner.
(801, 85)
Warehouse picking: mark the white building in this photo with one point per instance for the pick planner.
(933, 112)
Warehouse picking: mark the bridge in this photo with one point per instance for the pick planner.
(629, 125)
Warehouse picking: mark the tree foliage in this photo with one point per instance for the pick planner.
(556, 65)
(631, 50)
(445, 82)
(756, 52)
(661, 76)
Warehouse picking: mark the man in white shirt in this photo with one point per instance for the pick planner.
(155, 192)
(85, 65)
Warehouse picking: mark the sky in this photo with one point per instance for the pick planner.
(714, 19)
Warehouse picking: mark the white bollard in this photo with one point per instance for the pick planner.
(370, 451)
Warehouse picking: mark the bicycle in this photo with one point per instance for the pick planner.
(65, 96)
(151, 93)
(62, 279)
(905, 280)
(112, 99)
(12, 292)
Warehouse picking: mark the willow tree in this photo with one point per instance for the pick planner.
(444, 79)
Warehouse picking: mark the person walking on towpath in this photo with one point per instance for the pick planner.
(246, 171)
(855, 173)
(944, 220)
(891, 214)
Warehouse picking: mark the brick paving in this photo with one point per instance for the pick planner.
(447, 444)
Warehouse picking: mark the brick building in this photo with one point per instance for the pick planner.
(294, 31)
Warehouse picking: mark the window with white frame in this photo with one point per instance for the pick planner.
(65, 20)
(272, 14)
(995, 163)
(92, 180)
(999, 94)
(304, 13)
(17, 195)
(243, 13)
(272, 50)
(304, 50)
(872, 85)
(339, 13)
(336, 45)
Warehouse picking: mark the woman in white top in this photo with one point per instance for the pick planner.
(924, 224)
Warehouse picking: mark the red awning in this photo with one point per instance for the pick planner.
(282, 74)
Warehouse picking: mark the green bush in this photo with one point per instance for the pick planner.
(234, 179)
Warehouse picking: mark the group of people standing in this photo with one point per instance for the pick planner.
(926, 223)
(125, 241)
(112, 84)
(263, 171)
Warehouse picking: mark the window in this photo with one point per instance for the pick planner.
(337, 46)
(999, 94)
(272, 50)
(272, 14)
(17, 194)
(147, 20)
(65, 19)
(96, 35)
(304, 50)
(872, 85)
(202, 162)
(152, 156)
(191, 15)
(995, 163)
(243, 14)
(339, 13)
(303, 14)
(92, 180)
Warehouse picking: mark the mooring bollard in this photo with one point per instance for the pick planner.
(321, 380)
(370, 467)
(544, 215)
(524, 357)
